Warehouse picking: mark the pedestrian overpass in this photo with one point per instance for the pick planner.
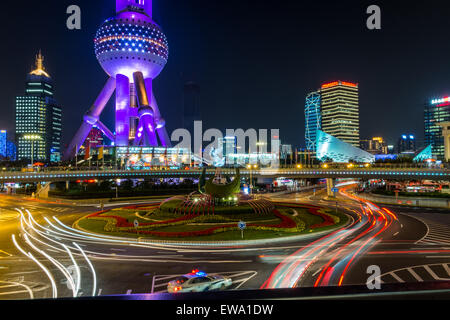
(293, 173)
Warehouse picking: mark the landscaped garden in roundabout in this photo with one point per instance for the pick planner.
(212, 214)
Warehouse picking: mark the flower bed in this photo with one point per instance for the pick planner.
(121, 224)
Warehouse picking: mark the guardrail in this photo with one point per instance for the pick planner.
(408, 201)
(366, 173)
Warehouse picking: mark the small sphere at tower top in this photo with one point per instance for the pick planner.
(131, 42)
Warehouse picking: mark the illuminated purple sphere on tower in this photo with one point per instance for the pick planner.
(131, 41)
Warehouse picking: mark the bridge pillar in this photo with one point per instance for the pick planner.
(67, 185)
(330, 186)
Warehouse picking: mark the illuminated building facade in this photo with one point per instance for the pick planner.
(286, 151)
(11, 151)
(376, 145)
(133, 50)
(330, 148)
(38, 118)
(313, 119)
(406, 144)
(3, 143)
(146, 157)
(228, 147)
(436, 112)
(425, 154)
(340, 111)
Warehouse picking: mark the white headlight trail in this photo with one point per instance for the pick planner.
(94, 288)
(77, 268)
(55, 262)
(47, 272)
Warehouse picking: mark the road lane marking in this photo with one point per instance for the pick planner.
(396, 277)
(414, 274)
(434, 275)
(447, 269)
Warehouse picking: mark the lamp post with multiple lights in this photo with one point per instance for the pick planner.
(251, 167)
(32, 138)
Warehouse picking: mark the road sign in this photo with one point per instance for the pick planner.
(335, 189)
(136, 223)
(242, 225)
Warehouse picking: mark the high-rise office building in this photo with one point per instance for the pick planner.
(38, 118)
(228, 147)
(340, 111)
(3, 144)
(376, 145)
(286, 151)
(436, 111)
(406, 144)
(11, 151)
(191, 106)
(313, 119)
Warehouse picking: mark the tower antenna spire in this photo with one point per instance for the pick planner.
(39, 66)
(144, 5)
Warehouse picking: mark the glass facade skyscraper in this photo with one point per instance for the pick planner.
(436, 112)
(38, 118)
(313, 119)
(340, 111)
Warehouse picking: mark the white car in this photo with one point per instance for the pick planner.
(198, 281)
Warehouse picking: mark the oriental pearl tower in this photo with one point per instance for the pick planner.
(133, 50)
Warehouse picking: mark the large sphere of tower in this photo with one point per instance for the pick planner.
(131, 42)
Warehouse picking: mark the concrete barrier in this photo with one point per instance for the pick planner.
(408, 201)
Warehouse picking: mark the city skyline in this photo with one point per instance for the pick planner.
(201, 151)
(254, 90)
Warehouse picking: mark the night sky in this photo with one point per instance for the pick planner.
(255, 61)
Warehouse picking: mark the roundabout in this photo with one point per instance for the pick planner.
(217, 213)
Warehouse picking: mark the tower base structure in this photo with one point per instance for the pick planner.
(138, 118)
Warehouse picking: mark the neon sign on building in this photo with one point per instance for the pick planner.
(440, 101)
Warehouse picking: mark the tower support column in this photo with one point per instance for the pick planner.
(122, 107)
(90, 119)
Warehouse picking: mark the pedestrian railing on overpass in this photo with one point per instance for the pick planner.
(296, 173)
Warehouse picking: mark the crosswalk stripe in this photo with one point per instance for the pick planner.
(414, 274)
(445, 265)
(396, 277)
(434, 275)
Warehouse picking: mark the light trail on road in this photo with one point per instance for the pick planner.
(362, 234)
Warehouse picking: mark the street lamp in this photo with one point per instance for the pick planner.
(32, 138)
(250, 167)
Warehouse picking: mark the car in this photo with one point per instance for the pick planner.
(198, 281)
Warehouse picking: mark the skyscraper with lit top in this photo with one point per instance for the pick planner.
(340, 111)
(38, 118)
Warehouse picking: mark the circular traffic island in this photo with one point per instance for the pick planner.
(197, 219)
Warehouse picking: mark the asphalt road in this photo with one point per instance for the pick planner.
(42, 257)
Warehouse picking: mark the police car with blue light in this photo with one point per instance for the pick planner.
(198, 281)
